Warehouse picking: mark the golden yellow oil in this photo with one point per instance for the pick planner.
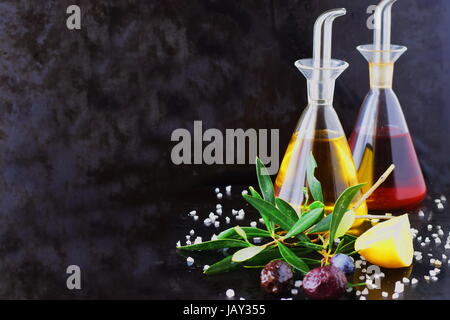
(335, 167)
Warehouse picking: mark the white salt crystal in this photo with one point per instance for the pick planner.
(230, 293)
(365, 292)
(429, 227)
(244, 192)
(362, 298)
(440, 206)
(294, 291)
(179, 243)
(427, 278)
(190, 261)
(234, 212)
(257, 240)
(219, 195)
(385, 294)
(421, 213)
(188, 242)
(216, 190)
(216, 224)
(214, 237)
(261, 220)
(434, 278)
(198, 240)
(219, 212)
(395, 296)
(192, 232)
(414, 281)
(227, 220)
(205, 267)
(228, 188)
(298, 283)
(207, 222)
(188, 237)
(195, 218)
(193, 213)
(253, 224)
(399, 287)
(218, 206)
(405, 280)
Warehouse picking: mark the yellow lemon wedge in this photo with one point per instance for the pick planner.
(388, 244)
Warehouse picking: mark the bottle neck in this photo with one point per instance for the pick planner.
(381, 75)
(321, 92)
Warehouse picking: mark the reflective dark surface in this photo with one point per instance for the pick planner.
(86, 119)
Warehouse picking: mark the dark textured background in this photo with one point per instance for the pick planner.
(86, 119)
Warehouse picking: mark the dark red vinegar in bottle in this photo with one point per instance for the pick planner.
(405, 187)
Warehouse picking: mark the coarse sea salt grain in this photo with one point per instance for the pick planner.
(440, 206)
(294, 291)
(230, 293)
(198, 240)
(227, 220)
(385, 294)
(405, 280)
(192, 232)
(253, 224)
(399, 287)
(395, 296)
(195, 218)
(179, 243)
(219, 212)
(216, 224)
(207, 222)
(429, 227)
(228, 188)
(190, 261)
(219, 195)
(365, 292)
(218, 206)
(362, 298)
(244, 192)
(216, 190)
(193, 213)
(414, 281)
(298, 283)
(205, 267)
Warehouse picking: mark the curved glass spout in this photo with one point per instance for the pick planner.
(321, 71)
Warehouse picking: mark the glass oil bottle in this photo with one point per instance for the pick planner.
(319, 130)
(381, 136)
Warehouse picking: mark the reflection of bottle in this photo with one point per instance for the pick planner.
(319, 130)
(381, 136)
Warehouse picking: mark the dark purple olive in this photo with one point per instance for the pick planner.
(276, 277)
(325, 283)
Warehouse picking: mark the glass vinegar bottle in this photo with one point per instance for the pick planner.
(319, 130)
(381, 136)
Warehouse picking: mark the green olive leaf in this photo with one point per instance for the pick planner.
(286, 208)
(314, 185)
(341, 207)
(267, 209)
(251, 232)
(306, 221)
(247, 253)
(241, 233)
(346, 223)
(291, 258)
(269, 224)
(265, 183)
(216, 244)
